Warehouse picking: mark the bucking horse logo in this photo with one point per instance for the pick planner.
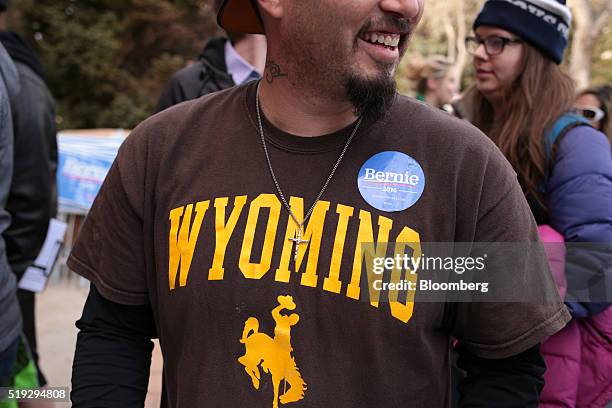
(274, 354)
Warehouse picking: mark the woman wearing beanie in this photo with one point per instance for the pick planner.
(522, 100)
(433, 80)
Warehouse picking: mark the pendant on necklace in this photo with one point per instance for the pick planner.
(297, 240)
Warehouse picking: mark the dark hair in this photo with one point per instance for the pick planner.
(538, 97)
(604, 96)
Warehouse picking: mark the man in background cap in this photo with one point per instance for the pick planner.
(224, 62)
(233, 227)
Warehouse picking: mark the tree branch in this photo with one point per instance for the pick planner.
(582, 11)
(601, 21)
(451, 35)
(462, 55)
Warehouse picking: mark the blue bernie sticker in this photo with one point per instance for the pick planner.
(391, 181)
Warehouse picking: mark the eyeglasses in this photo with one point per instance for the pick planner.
(494, 45)
(591, 113)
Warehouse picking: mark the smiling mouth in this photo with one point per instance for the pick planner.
(387, 40)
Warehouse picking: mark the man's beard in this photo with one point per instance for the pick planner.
(371, 97)
(327, 71)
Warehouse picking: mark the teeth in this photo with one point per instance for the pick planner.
(388, 40)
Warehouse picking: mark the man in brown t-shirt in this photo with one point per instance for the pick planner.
(239, 229)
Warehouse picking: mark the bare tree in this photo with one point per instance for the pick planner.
(451, 17)
(590, 17)
(461, 57)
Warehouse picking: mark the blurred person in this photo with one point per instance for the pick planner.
(433, 80)
(201, 230)
(595, 104)
(225, 62)
(524, 101)
(32, 199)
(10, 316)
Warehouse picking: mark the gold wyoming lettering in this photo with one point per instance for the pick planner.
(186, 223)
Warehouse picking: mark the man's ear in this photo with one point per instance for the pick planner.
(273, 8)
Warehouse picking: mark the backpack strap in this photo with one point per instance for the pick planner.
(552, 136)
(550, 140)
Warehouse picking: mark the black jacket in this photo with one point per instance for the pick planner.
(10, 316)
(207, 75)
(32, 198)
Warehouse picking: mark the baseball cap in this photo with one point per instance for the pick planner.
(240, 16)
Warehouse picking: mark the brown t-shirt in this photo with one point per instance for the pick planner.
(189, 220)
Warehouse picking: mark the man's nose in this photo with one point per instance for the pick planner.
(409, 9)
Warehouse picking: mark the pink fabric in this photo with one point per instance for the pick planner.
(563, 361)
(595, 389)
(555, 251)
(579, 357)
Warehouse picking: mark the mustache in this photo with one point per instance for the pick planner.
(400, 24)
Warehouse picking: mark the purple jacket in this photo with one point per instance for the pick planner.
(579, 198)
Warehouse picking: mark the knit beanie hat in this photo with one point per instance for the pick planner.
(3, 4)
(545, 24)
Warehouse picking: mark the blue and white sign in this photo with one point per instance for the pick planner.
(84, 161)
(79, 180)
(391, 181)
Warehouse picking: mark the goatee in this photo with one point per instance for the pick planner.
(371, 97)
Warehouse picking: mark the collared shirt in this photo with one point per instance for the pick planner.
(237, 67)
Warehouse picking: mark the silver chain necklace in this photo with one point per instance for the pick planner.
(297, 239)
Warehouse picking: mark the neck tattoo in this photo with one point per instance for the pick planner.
(297, 239)
(273, 70)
